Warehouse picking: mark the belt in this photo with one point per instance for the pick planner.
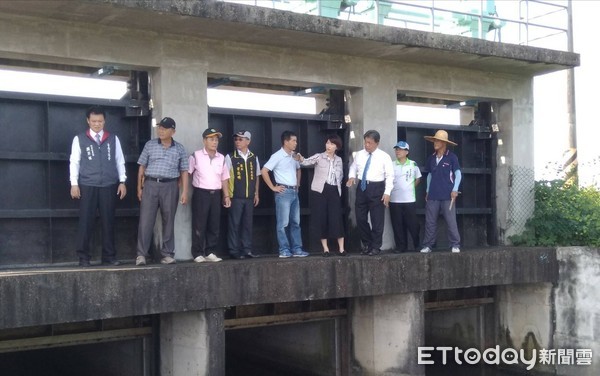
(160, 180)
(288, 186)
(372, 182)
(209, 191)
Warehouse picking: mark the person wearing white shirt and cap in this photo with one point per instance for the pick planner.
(376, 172)
(402, 201)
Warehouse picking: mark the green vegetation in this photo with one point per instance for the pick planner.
(564, 215)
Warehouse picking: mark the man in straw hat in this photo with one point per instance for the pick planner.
(443, 179)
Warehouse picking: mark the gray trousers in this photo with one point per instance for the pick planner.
(432, 212)
(155, 196)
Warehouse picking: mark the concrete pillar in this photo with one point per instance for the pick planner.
(179, 90)
(374, 107)
(577, 307)
(192, 343)
(515, 160)
(386, 333)
(524, 314)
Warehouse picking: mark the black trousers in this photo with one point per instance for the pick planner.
(239, 235)
(103, 200)
(206, 221)
(369, 203)
(327, 213)
(404, 221)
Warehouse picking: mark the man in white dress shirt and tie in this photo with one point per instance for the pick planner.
(374, 171)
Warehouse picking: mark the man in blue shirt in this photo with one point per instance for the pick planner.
(286, 170)
(443, 179)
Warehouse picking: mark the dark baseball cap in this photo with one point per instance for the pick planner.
(166, 122)
(211, 132)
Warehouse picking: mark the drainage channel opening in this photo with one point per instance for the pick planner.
(298, 338)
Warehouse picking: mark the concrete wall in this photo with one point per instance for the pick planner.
(525, 320)
(457, 327)
(577, 305)
(558, 317)
(180, 65)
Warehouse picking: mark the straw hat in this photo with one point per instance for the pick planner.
(440, 135)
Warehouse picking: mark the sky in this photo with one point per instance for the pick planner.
(550, 97)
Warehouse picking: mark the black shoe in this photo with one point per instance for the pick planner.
(326, 254)
(111, 262)
(238, 257)
(365, 251)
(251, 255)
(343, 254)
(374, 252)
(84, 262)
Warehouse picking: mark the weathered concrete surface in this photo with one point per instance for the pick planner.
(577, 307)
(192, 343)
(386, 332)
(525, 317)
(48, 296)
(258, 25)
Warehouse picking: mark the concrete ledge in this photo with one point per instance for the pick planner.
(272, 27)
(48, 296)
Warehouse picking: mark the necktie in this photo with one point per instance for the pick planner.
(98, 139)
(363, 181)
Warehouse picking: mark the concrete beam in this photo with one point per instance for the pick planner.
(271, 27)
(60, 295)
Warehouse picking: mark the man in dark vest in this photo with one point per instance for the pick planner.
(97, 174)
(244, 172)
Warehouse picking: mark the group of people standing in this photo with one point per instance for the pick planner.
(98, 176)
(383, 183)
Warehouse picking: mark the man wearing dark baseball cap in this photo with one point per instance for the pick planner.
(210, 179)
(163, 164)
(211, 132)
(166, 122)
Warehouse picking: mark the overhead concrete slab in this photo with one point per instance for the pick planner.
(258, 25)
